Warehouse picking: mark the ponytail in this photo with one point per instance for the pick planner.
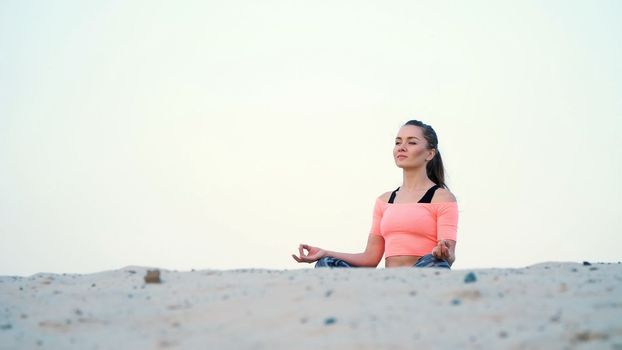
(435, 170)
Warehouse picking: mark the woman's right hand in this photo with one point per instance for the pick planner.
(313, 253)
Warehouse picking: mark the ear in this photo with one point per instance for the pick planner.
(432, 154)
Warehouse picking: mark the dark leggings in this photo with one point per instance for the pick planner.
(425, 261)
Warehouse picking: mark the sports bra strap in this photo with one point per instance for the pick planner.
(392, 198)
(427, 197)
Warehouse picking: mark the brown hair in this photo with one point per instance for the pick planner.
(434, 168)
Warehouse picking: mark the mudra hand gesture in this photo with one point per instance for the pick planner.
(314, 253)
(442, 251)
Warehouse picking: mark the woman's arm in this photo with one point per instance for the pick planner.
(369, 258)
(447, 226)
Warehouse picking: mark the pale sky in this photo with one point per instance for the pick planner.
(220, 135)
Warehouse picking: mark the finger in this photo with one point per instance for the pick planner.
(300, 260)
(302, 254)
(296, 258)
(439, 248)
(441, 245)
(435, 252)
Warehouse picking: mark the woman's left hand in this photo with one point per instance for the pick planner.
(442, 250)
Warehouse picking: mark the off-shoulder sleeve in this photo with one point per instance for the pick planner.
(377, 217)
(447, 221)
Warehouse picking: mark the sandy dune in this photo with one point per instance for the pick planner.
(545, 306)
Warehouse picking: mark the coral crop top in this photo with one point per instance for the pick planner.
(414, 228)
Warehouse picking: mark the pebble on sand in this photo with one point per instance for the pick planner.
(153, 276)
(470, 278)
(330, 321)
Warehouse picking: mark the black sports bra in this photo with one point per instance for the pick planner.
(427, 197)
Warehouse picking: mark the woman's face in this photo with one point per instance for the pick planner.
(411, 148)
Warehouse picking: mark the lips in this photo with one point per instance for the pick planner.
(401, 157)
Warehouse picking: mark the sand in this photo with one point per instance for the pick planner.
(545, 306)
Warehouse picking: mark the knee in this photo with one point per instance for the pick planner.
(429, 260)
(324, 262)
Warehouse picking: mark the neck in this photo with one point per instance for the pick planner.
(416, 179)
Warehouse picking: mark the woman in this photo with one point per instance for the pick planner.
(416, 224)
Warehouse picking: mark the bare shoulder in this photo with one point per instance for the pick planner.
(443, 195)
(385, 196)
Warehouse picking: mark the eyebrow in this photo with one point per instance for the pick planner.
(409, 137)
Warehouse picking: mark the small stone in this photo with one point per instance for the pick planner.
(329, 321)
(586, 336)
(503, 334)
(456, 302)
(6, 326)
(328, 293)
(92, 285)
(153, 276)
(470, 278)
(586, 263)
(574, 270)
(556, 317)
(593, 268)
